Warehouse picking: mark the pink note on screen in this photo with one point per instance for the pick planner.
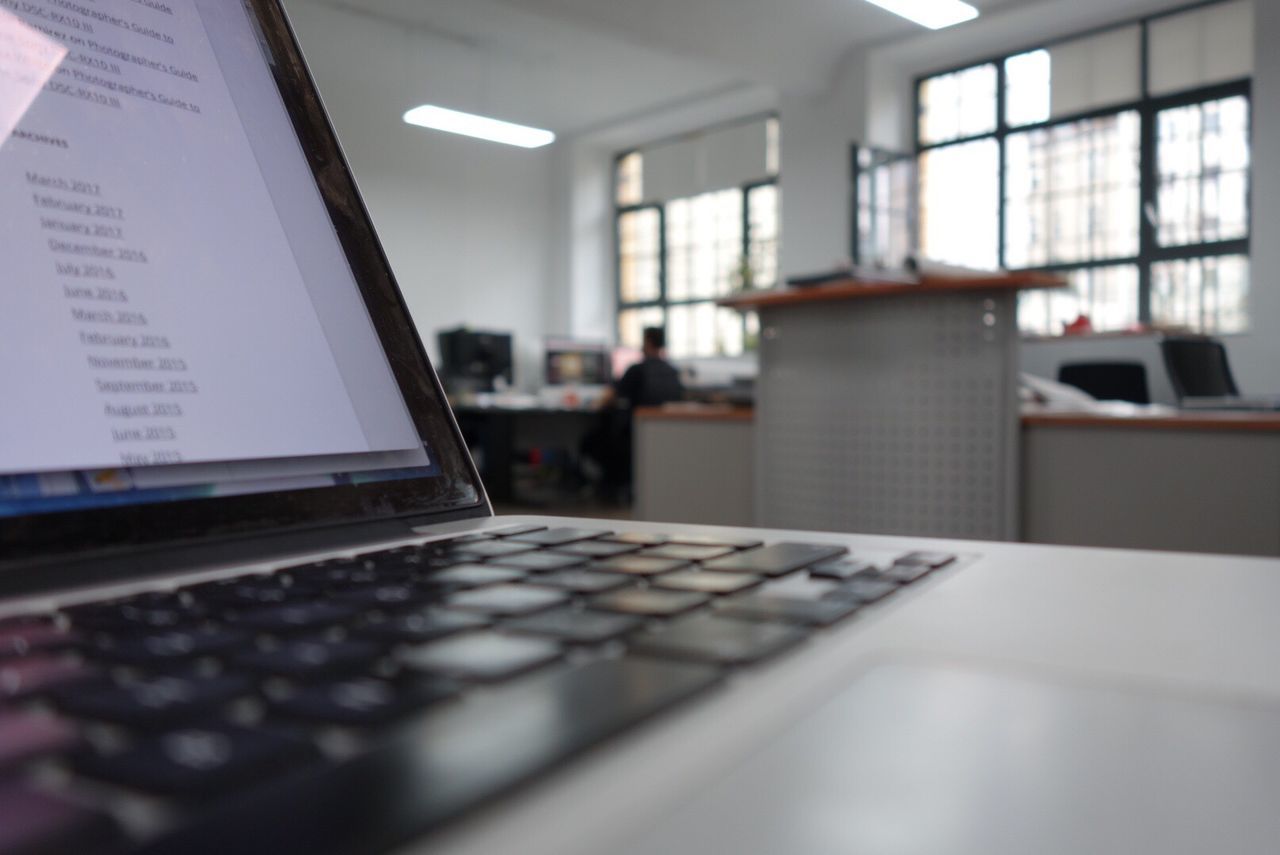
(28, 59)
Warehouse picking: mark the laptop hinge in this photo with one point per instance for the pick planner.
(134, 563)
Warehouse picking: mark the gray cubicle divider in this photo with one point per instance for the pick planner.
(895, 414)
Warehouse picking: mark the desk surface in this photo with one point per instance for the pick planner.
(856, 289)
(1215, 421)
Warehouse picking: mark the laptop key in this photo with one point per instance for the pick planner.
(20, 678)
(573, 626)
(539, 561)
(649, 602)
(19, 640)
(309, 659)
(464, 576)
(171, 646)
(936, 560)
(716, 540)
(904, 574)
(27, 735)
(597, 548)
(151, 702)
(718, 640)
(585, 581)
(863, 589)
(482, 656)
(34, 822)
(768, 607)
(439, 765)
(705, 582)
(778, 559)
(421, 626)
(381, 596)
(842, 568)
(364, 701)
(198, 761)
(557, 536)
(494, 548)
(639, 538)
(508, 600)
(638, 565)
(297, 616)
(512, 530)
(686, 552)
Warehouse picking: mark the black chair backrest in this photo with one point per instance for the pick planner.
(1198, 367)
(1108, 381)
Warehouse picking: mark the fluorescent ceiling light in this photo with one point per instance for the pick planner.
(934, 14)
(469, 125)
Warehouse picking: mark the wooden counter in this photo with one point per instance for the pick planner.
(1201, 420)
(696, 412)
(857, 289)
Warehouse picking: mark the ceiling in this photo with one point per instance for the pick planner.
(579, 65)
(789, 44)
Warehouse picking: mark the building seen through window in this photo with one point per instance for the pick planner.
(1118, 159)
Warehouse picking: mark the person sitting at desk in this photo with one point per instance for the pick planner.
(651, 382)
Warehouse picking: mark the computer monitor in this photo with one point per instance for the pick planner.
(471, 360)
(582, 363)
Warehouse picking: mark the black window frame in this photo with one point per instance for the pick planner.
(663, 302)
(1148, 108)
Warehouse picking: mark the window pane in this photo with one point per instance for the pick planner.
(631, 324)
(886, 182)
(1107, 295)
(1026, 96)
(703, 329)
(1202, 157)
(704, 245)
(1072, 192)
(630, 179)
(762, 246)
(1207, 295)
(638, 256)
(959, 217)
(773, 145)
(961, 104)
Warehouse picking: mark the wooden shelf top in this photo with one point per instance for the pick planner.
(1268, 422)
(856, 289)
(696, 412)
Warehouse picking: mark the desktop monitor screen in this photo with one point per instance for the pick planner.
(577, 363)
(472, 360)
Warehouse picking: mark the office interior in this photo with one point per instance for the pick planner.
(705, 149)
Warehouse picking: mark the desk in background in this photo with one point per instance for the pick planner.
(498, 436)
(694, 463)
(1203, 482)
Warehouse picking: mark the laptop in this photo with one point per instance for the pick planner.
(253, 597)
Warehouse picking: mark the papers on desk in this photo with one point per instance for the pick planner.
(1042, 395)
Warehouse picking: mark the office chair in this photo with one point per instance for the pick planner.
(1108, 381)
(1198, 367)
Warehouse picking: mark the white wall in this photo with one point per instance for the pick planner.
(466, 224)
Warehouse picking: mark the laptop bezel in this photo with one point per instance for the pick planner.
(456, 492)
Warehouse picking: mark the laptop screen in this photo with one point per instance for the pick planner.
(182, 314)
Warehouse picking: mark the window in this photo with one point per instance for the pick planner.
(1057, 159)
(682, 246)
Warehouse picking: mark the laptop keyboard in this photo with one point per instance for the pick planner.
(350, 704)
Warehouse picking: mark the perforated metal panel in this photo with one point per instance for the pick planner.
(891, 415)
